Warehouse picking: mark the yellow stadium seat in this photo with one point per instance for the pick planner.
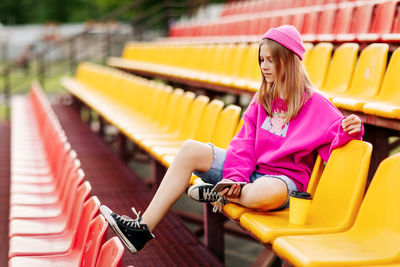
(213, 53)
(177, 112)
(387, 103)
(149, 112)
(234, 211)
(235, 65)
(308, 47)
(164, 120)
(340, 70)
(226, 126)
(253, 77)
(205, 130)
(161, 147)
(367, 78)
(318, 62)
(372, 240)
(221, 65)
(335, 202)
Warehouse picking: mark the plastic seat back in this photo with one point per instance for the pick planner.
(308, 47)
(369, 71)
(343, 18)
(383, 17)
(264, 24)
(170, 109)
(217, 61)
(379, 211)
(310, 22)
(208, 121)
(391, 82)
(252, 66)
(396, 21)
(318, 62)
(226, 126)
(146, 99)
(209, 57)
(361, 18)
(95, 238)
(204, 52)
(192, 120)
(75, 202)
(238, 67)
(341, 68)
(196, 55)
(89, 212)
(297, 20)
(326, 19)
(227, 56)
(160, 105)
(341, 186)
(111, 253)
(180, 112)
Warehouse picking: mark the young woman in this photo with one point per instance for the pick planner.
(286, 124)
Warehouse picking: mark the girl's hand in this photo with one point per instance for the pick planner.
(351, 124)
(232, 192)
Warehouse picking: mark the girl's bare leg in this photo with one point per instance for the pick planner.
(264, 194)
(192, 156)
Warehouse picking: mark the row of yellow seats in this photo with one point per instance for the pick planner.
(358, 83)
(364, 83)
(371, 241)
(233, 65)
(155, 116)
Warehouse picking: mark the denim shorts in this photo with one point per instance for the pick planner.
(214, 174)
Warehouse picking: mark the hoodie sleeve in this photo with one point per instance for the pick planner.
(240, 161)
(335, 137)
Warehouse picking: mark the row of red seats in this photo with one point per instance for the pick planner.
(351, 21)
(246, 7)
(53, 219)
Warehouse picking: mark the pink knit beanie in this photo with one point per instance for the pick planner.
(289, 37)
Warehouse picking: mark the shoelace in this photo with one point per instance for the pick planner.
(128, 221)
(219, 204)
(209, 195)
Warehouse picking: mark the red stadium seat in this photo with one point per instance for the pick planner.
(111, 253)
(84, 255)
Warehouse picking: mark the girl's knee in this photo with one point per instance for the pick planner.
(196, 153)
(264, 198)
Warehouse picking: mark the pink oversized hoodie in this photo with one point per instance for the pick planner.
(266, 145)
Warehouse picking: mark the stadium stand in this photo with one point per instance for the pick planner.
(61, 226)
(53, 215)
(342, 21)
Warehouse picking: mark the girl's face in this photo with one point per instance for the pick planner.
(266, 64)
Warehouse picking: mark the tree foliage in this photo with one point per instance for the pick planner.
(65, 11)
(61, 11)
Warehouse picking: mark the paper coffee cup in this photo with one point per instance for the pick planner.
(299, 204)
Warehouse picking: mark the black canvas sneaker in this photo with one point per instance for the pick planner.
(203, 193)
(132, 233)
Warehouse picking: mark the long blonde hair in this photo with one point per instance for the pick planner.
(291, 81)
